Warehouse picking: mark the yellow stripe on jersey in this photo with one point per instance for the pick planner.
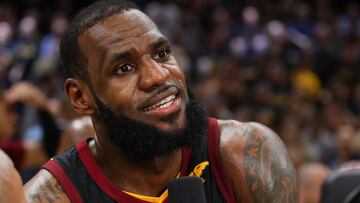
(149, 199)
(199, 169)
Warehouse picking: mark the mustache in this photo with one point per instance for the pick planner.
(161, 88)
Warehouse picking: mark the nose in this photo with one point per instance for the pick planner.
(153, 74)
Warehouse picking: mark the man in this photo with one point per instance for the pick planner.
(149, 128)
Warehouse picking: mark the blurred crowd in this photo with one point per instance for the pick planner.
(291, 65)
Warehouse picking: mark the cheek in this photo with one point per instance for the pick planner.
(121, 94)
(175, 70)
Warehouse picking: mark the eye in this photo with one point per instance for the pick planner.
(162, 54)
(123, 68)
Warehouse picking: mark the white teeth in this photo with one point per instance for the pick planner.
(162, 104)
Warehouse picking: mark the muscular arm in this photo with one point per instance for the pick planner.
(45, 188)
(257, 163)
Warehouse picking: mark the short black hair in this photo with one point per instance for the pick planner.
(73, 60)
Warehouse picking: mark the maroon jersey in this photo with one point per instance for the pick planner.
(84, 181)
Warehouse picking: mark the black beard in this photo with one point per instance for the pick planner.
(142, 141)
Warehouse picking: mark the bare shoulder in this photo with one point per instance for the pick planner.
(257, 163)
(44, 187)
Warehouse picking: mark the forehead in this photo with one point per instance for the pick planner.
(117, 28)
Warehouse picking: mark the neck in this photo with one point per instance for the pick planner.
(141, 176)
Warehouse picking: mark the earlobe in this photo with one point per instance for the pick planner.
(79, 97)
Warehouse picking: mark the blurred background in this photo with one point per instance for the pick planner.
(292, 65)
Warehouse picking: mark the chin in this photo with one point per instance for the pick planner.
(175, 121)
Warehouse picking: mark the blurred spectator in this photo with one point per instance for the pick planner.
(311, 177)
(26, 153)
(49, 45)
(349, 21)
(302, 20)
(6, 49)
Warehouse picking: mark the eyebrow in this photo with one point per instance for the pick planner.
(126, 54)
(122, 55)
(161, 41)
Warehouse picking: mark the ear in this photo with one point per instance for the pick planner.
(79, 96)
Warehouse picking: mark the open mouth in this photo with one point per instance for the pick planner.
(162, 104)
(166, 107)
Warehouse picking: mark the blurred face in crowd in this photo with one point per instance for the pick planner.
(5, 33)
(8, 119)
(311, 178)
(59, 25)
(137, 85)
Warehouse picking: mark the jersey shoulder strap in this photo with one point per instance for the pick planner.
(217, 170)
(58, 172)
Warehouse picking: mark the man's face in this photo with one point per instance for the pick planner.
(142, 102)
(133, 72)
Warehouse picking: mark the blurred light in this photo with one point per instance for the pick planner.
(238, 46)
(27, 26)
(260, 43)
(276, 29)
(5, 32)
(250, 15)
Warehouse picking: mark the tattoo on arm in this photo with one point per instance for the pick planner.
(268, 169)
(58, 186)
(49, 191)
